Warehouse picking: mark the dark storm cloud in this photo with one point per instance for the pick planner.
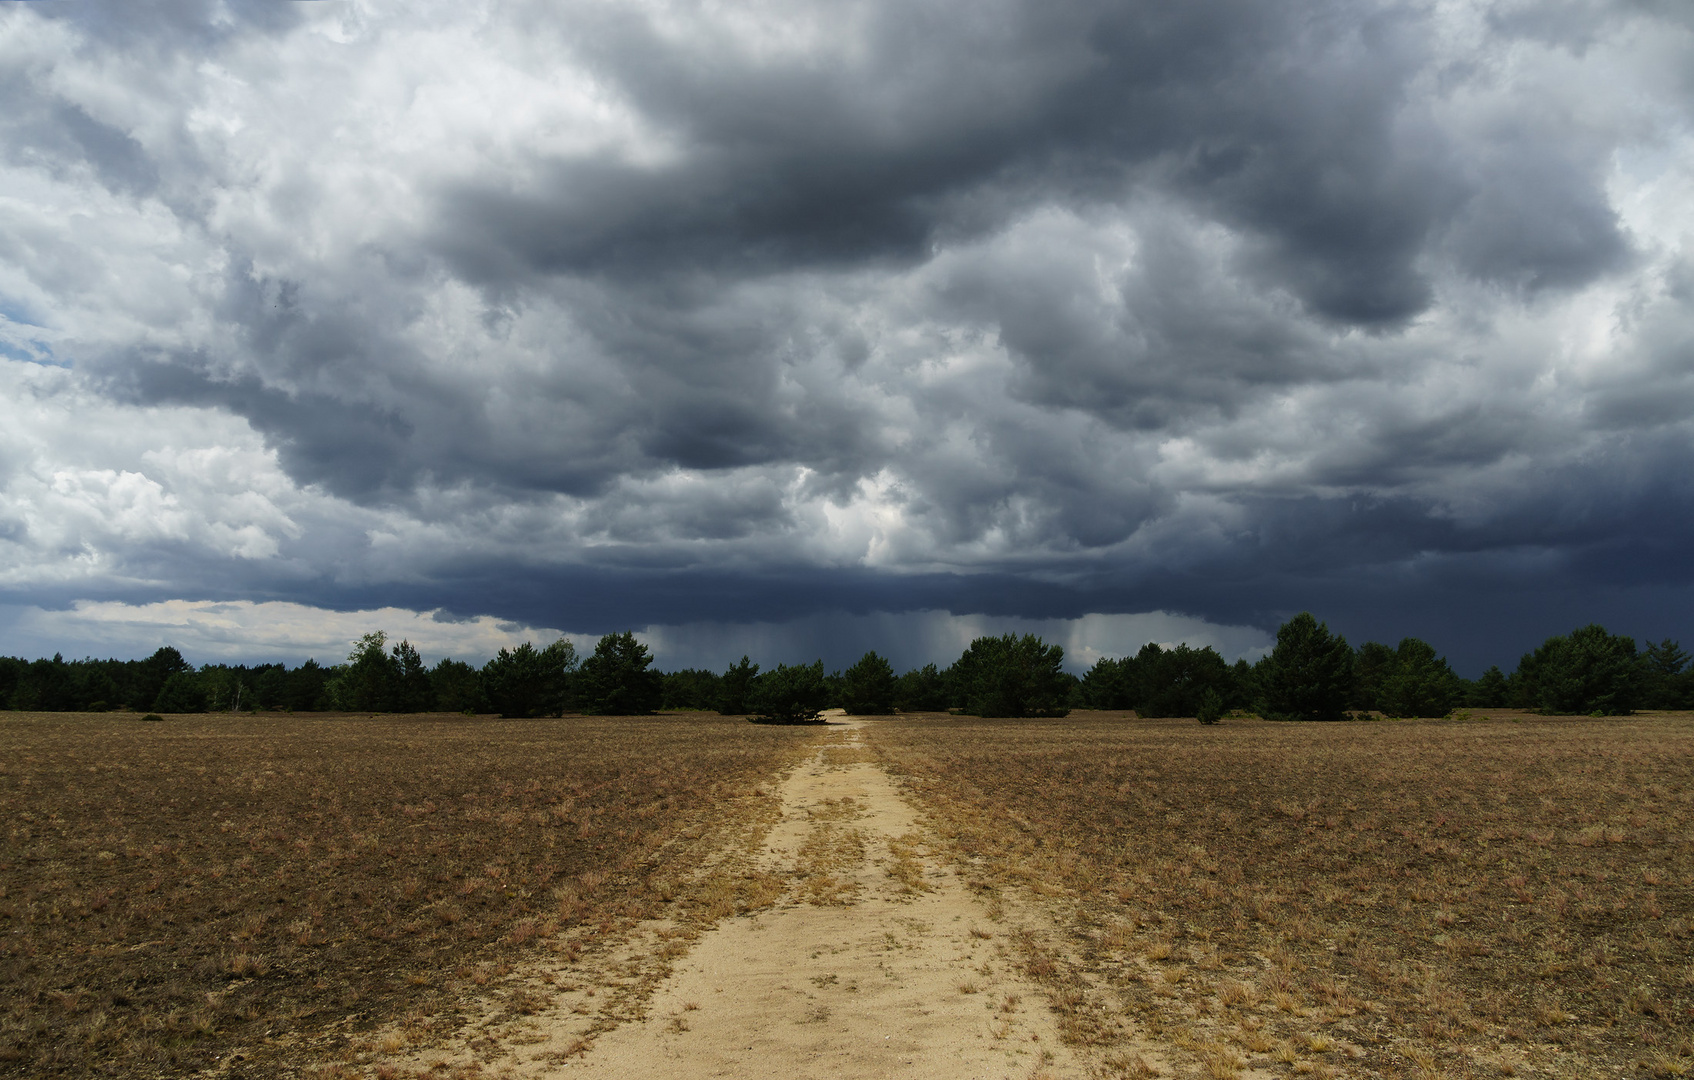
(626, 314)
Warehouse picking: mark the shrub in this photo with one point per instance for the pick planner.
(615, 681)
(1211, 708)
(153, 716)
(789, 695)
(868, 687)
(1309, 675)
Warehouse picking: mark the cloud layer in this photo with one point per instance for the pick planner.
(607, 314)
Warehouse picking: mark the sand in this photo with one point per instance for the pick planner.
(879, 963)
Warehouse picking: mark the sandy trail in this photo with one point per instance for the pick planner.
(878, 963)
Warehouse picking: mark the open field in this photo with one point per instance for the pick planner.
(1507, 896)
(422, 897)
(172, 894)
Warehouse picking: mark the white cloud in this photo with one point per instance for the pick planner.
(241, 631)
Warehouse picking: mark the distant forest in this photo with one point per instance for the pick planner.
(1311, 674)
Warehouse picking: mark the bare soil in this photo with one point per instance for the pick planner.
(1499, 895)
(924, 896)
(253, 894)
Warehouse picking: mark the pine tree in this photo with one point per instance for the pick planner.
(1309, 675)
(868, 687)
(616, 680)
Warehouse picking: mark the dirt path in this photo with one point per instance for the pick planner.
(878, 963)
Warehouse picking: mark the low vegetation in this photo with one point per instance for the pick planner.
(1478, 897)
(174, 893)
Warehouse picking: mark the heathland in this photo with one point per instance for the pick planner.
(338, 896)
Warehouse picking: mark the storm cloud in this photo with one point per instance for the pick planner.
(664, 314)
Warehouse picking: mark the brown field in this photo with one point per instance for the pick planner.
(174, 894)
(1487, 897)
(340, 897)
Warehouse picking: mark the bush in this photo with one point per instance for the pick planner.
(868, 687)
(789, 695)
(1012, 676)
(1309, 675)
(1211, 708)
(152, 716)
(615, 681)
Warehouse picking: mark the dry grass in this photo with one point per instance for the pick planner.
(1394, 899)
(172, 894)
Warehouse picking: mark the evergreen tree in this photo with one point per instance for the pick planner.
(921, 690)
(527, 681)
(868, 687)
(1174, 682)
(790, 695)
(1309, 675)
(735, 688)
(1372, 667)
(693, 689)
(182, 693)
(457, 687)
(1490, 690)
(615, 681)
(413, 691)
(1665, 676)
(1104, 686)
(1012, 676)
(150, 678)
(11, 672)
(306, 688)
(1419, 683)
(1586, 671)
(1211, 708)
(370, 680)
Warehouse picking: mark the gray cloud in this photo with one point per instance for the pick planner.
(655, 315)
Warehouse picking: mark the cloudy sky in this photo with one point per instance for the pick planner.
(813, 327)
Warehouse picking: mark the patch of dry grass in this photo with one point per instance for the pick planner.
(1400, 899)
(282, 885)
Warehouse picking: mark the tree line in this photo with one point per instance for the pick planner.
(1311, 674)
